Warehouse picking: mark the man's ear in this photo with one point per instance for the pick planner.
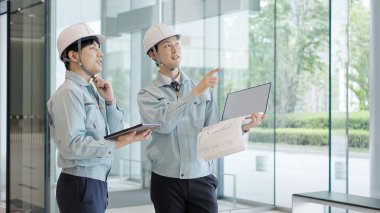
(73, 56)
(152, 55)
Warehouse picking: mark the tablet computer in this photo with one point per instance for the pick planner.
(138, 128)
(246, 101)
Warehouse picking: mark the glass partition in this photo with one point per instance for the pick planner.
(247, 59)
(302, 98)
(128, 69)
(258, 172)
(3, 101)
(339, 96)
(358, 36)
(27, 99)
(350, 39)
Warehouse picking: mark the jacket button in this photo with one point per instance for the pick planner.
(182, 175)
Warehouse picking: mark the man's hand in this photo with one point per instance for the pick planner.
(207, 81)
(256, 119)
(104, 88)
(131, 137)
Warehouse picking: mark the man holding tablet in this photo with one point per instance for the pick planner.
(79, 117)
(181, 181)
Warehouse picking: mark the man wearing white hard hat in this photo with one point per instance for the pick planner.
(79, 118)
(180, 181)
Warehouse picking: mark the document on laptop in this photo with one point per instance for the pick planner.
(221, 139)
(246, 101)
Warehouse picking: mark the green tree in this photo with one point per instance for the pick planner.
(359, 37)
(261, 43)
(302, 41)
(301, 38)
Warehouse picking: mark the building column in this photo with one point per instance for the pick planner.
(374, 92)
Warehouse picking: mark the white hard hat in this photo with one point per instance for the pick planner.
(74, 33)
(157, 33)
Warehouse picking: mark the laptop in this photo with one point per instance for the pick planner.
(247, 101)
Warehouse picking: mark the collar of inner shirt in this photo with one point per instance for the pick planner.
(168, 80)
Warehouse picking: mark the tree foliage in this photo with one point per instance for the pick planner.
(359, 36)
(301, 44)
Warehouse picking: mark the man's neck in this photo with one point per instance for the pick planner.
(171, 74)
(79, 71)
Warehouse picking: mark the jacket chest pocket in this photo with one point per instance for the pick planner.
(91, 116)
(198, 115)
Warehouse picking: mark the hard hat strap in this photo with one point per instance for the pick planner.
(160, 63)
(156, 54)
(64, 59)
(79, 59)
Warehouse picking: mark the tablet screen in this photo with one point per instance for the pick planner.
(246, 101)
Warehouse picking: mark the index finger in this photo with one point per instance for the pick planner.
(213, 71)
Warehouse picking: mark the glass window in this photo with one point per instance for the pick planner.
(247, 60)
(358, 97)
(339, 104)
(27, 106)
(302, 98)
(3, 102)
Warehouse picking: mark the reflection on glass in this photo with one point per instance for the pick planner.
(3, 108)
(27, 104)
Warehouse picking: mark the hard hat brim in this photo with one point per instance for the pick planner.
(73, 33)
(101, 39)
(156, 33)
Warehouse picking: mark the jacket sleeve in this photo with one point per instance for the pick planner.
(114, 118)
(155, 109)
(67, 119)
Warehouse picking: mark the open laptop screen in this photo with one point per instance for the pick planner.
(246, 101)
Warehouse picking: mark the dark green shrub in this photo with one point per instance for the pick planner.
(302, 136)
(358, 138)
(357, 120)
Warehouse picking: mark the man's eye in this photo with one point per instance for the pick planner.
(94, 48)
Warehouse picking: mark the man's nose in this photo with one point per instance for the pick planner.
(100, 53)
(174, 49)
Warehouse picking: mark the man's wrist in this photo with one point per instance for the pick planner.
(195, 91)
(244, 129)
(110, 103)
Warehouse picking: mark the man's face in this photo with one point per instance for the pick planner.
(92, 58)
(169, 51)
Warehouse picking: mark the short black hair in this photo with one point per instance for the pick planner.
(74, 47)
